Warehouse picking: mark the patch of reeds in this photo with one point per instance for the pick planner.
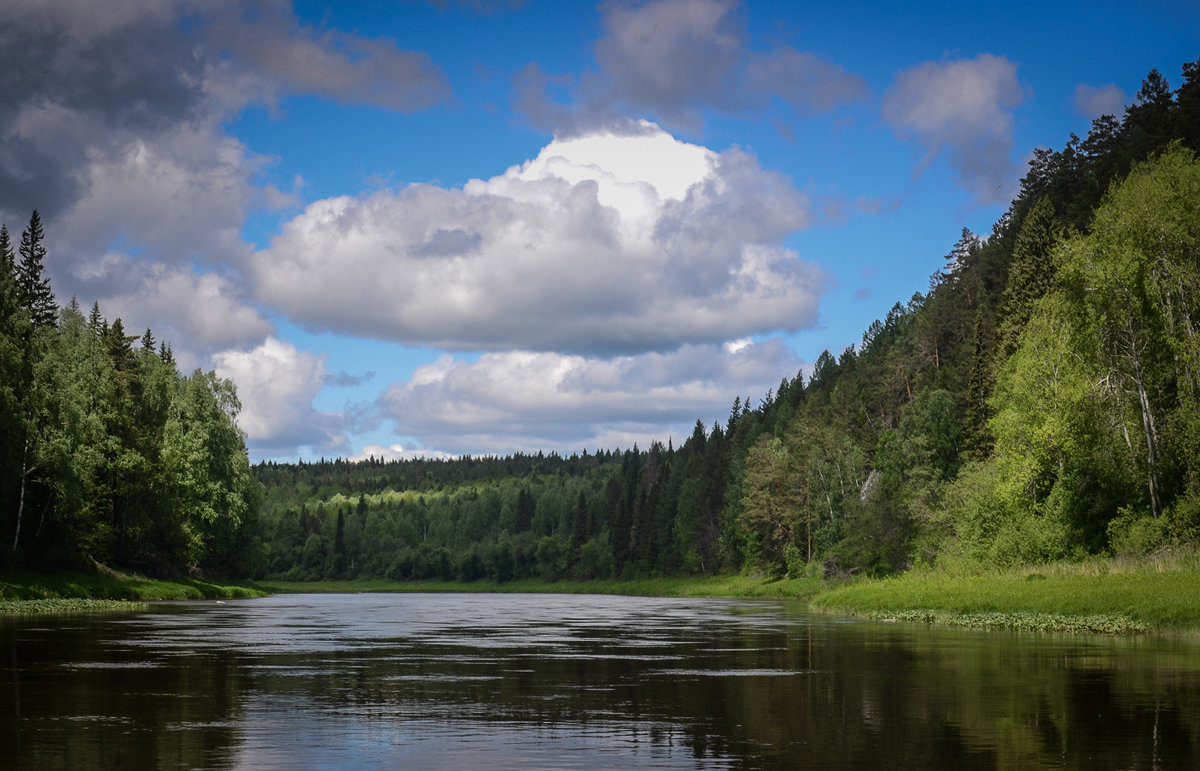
(66, 605)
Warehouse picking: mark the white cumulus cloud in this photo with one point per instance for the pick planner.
(521, 400)
(396, 452)
(119, 135)
(193, 312)
(276, 383)
(609, 243)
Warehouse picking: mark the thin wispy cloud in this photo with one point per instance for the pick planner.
(673, 61)
(1094, 101)
(962, 110)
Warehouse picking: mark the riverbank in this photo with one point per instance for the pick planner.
(27, 592)
(1101, 595)
(1112, 596)
(1155, 594)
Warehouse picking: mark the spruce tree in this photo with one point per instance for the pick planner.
(8, 260)
(96, 322)
(979, 389)
(1030, 276)
(9, 287)
(12, 384)
(34, 287)
(1187, 99)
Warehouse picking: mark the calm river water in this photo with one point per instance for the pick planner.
(378, 681)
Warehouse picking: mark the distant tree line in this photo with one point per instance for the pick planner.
(1040, 401)
(107, 453)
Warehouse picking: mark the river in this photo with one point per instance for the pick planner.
(441, 681)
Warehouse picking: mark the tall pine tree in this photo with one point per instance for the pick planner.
(34, 287)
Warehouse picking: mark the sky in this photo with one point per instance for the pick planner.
(409, 228)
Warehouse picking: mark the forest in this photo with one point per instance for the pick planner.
(1041, 401)
(108, 454)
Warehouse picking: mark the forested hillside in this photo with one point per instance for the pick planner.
(107, 452)
(1041, 401)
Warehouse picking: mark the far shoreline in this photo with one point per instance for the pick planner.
(1146, 596)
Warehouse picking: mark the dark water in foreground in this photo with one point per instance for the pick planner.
(562, 682)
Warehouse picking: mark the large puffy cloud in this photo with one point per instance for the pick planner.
(70, 77)
(153, 67)
(602, 244)
(674, 60)
(520, 400)
(963, 109)
(180, 197)
(276, 384)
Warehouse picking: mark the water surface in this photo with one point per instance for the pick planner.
(379, 681)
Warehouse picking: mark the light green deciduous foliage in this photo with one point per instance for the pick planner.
(1095, 412)
(203, 456)
(1010, 508)
(1133, 286)
(75, 407)
(772, 495)
(797, 493)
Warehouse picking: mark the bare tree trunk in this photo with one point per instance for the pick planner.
(1147, 423)
(25, 472)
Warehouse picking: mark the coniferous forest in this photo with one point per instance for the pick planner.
(1040, 401)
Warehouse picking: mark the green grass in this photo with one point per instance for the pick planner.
(113, 585)
(1110, 596)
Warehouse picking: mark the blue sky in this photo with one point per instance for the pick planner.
(451, 227)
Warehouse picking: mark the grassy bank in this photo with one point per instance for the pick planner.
(30, 592)
(1110, 596)
(1156, 594)
(1101, 595)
